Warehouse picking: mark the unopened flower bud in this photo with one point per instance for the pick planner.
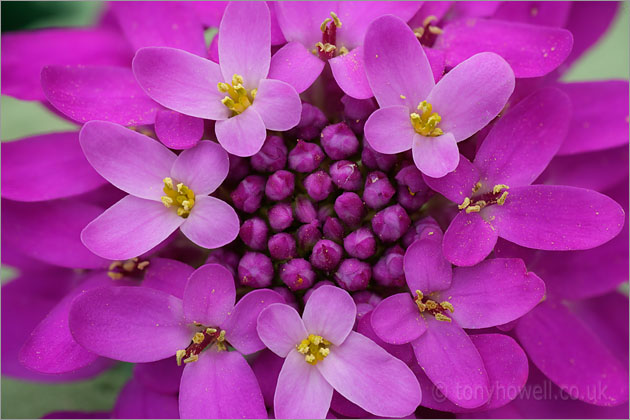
(413, 192)
(324, 212)
(326, 255)
(311, 122)
(280, 216)
(289, 298)
(391, 223)
(282, 246)
(333, 229)
(239, 168)
(272, 157)
(280, 185)
(308, 235)
(360, 243)
(338, 141)
(249, 193)
(227, 259)
(419, 229)
(297, 274)
(254, 233)
(318, 185)
(305, 210)
(388, 270)
(353, 274)
(305, 157)
(255, 270)
(375, 160)
(350, 209)
(378, 190)
(356, 111)
(317, 285)
(346, 175)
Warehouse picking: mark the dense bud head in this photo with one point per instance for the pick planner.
(391, 223)
(318, 185)
(413, 192)
(356, 112)
(282, 246)
(239, 168)
(308, 235)
(280, 216)
(286, 294)
(305, 157)
(305, 210)
(297, 274)
(375, 160)
(249, 193)
(333, 229)
(280, 185)
(326, 255)
(255, 270)
(346, 175)
(226, 258)
(311, 122)
(360, 244)
(350, 209)
(324, 212)
(378, 190)
(272, 157)
(353, 274)
(254, 233)
(419, 228)
(388, 271)
(338, 141)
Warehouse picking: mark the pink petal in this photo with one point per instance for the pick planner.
(493, 292)
(244, 49)
(450, 359)
(202, 168)
(469, 96)
(240, 325)
(181, 81)
(403, 352)
(554, 217)
(371, 378)
(130, 228)
(137, 401)
(531, 50)
(280, 328)
(425, 267)
(436, 60)
(209, 295)
(162, 376)
(349, 72)
(167, 275)
(131, 161)
(212, 223)
(547, 14)
(302, 392)
(385, 121)
(300, 21)
(435, 156)
(469, 239)
(86, 93)
(243, 134)
(456, 185)
(107, 321)
(178, 131)
(220, 385)
(330, 312)
(397, 320)
(396, 64)
(295, 65)
(278, 104)
(46, 167)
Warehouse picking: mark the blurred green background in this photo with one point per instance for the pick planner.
(21, 399)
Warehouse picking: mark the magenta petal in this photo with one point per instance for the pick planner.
(240, 325)
(278, 104)
(136, 401)
(108, 322)
(436, 60)
(50, 231)
(330, 312)
(243, 134)
(181, 81)
(167, 275)
(220, 385)
(295, 65)
(523, 141)
(552, 326)
(349, 73)
(452, 362)
(435, 156)
(556, 218)
(397, 320)
(456, 185)
(98, 93)
(531, 50)
(469, 239)
(245, 49)
(202, 168)
(280, 328)
(212, 223)
(371, 378)
(297, 380)
(588, 22)
(161, 376)
(492, 292)
(403, 352)
(425, 267)
(46, 167)
(209, 295)
(396, 64)
(469, 96)
(131, 161)
(178, 131)
(385, 121)
(600, 112)
(300, 21)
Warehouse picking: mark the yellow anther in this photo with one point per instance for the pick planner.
(168, 182)
(211, 330)
(435, 30)
(198, 338)
(501, 200)
(114, 265)
(476, 187)
(431, 305)
(473, 209)
(223, 87)
(425, 123)
(419, 295)
(310, 358)
(336, 19)
(497, 188)
(324, 351)
(179, 355)
(221, 336)
(237, 79)
(442, 317)
(326, 47)
(314, 348)
(237, 99)
(448, 306)
(403, 97)
(418, 32)
(229, 102)
(427, 21)
(253, 92)
(129, 266)
(221, 346)
(180, 196)
(464, 204)
(191, 358)
(343, 51)
(115, 276)
(143, 265)
(324, 24)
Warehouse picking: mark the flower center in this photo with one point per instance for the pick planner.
(179, 196)
(425, 123)
(434, 308)
(427, 33)
(128, 268)
(497, 196)
(314, 348)
(327, 48)
(237, 98)
(199, 342)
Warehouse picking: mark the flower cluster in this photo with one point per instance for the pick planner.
(433, 222)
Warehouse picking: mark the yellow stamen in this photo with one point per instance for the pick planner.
(322, 27)
(336, 19)
(464, 204)
(210, 330)
(441, 317)
(497, 188)
(501, 200)
(191, 358)
(425, 123)
(221, 336)
(181, 196)
(198, 338)
(431, 305)
(473, 209)
(179, 355)
(314, 348)
(237, 98)
(448, 306)
(143, 265)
